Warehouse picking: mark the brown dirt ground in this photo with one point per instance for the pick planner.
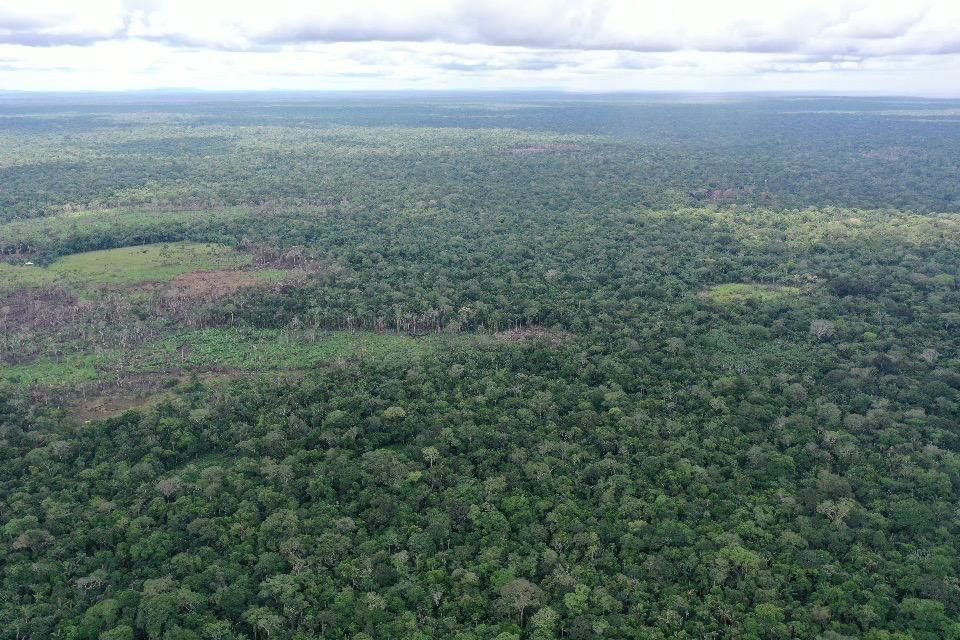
(211, 284)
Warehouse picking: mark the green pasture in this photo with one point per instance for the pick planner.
(147, 263)
(739, 292)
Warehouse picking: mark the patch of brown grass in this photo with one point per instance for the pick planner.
(211, 285)
(49, 306)
(554, 338)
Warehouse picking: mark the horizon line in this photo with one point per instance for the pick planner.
(460, 91)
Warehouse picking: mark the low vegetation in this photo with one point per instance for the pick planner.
(14, 277)
(148, 263)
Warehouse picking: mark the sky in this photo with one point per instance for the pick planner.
(908, 47)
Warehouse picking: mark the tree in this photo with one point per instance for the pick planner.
(577, 601)
(822, 329)
(121, 632)
(520, 594)
(394, 412)
(430, 454)
(264, 622)
(544, 623)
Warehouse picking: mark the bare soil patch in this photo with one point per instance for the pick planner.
(104, 398)
(211, 285)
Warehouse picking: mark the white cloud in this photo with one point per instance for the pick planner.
(45, 22)
(860, 27)
(576, 44)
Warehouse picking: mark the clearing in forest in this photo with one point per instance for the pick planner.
(553, 337)
(146, 263)
(14, 277)
(743, 292)
(32, 295)
(213, 285)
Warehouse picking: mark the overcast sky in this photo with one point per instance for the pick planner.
(864, 46)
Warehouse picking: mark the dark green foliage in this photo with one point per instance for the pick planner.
(615, 408)
(518, 484)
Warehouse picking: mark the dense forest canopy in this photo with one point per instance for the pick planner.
(484, 367)
(561, 152)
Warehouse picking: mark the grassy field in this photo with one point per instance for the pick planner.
(147, 263)
(91, 230)
(226, 349)
(742, 292)
(13, 277)
(55, 373)
(160, 262)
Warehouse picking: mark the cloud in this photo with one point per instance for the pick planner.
(55, 22)
(532, 65)
(581, 44)
(853, 27)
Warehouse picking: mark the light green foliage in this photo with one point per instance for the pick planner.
(67, 371)
(741, 292)
(147, 263)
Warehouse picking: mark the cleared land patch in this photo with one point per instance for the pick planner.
(14, 277)
(212, 285)
(218, 349)
(743, 292)
(146, 263)
(57, 373)
(99, 384)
